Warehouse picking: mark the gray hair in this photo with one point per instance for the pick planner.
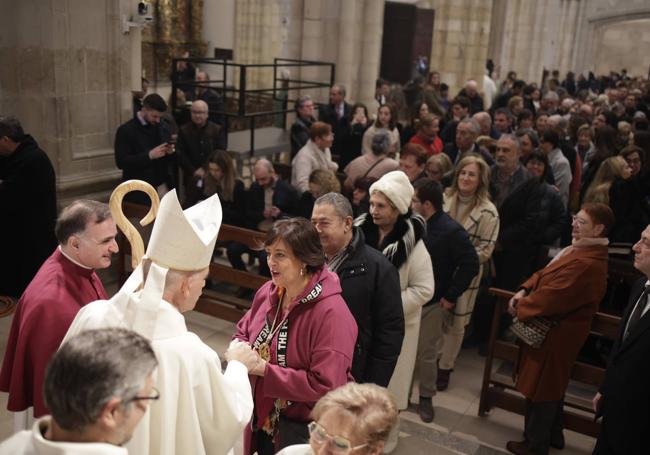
(380, 142)
(551, 96)
(75, 218)
(340, 88)
(341, 204)
(92, 368)
(513, 138)
(475, 126)
(300, 102)
(531, 133)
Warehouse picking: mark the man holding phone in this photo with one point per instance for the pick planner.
(144, 149)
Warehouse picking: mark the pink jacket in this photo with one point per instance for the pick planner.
(319, 346)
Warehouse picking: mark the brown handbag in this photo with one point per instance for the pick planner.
(532, 332)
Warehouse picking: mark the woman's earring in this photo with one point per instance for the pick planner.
(302, 271)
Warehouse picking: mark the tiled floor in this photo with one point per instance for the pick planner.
(456, 429)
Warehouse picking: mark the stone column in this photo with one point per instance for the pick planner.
(65, 75)
(460, 40)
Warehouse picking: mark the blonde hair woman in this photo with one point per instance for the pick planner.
(610, 170)
(468, 202)
(353, 418)
(438, 166)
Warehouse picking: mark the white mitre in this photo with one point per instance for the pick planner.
(184, 240)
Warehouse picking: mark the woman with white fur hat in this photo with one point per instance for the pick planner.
(393, 229)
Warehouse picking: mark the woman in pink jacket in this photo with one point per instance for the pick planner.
(304, 335)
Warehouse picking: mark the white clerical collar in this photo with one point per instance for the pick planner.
(72, 260)
(142, 120)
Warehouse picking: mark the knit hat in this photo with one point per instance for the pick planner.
(396, 186)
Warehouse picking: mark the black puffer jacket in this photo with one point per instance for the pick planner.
(371, 289)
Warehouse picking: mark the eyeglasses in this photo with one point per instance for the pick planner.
(154, 397)
(338, 444)
(579, 220)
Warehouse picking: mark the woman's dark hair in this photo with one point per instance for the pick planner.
(393, 116)
(551, 137)
(600, 214)
(642, 140)
(301, 236)
(356, 106)
(536, 155)
(610, 118)
(364, 183)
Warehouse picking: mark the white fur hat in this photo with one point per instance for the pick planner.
(184, 240)
(396, 186)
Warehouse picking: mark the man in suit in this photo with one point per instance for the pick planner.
(623, 397)
(337, 114)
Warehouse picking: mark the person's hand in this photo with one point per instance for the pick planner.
(200, 173)
(447, 305)
(242, 352)
(275, 212)
(259, 368)
(595, 401)
(512, 304)
(158, 152)
(267, 213)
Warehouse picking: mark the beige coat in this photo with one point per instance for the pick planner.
(482, 225)
(416, 283)
(308, 159)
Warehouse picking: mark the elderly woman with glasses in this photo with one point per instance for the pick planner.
(353, 419)
(567, 292)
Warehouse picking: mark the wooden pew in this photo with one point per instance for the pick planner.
(498, 390)
(219, 304)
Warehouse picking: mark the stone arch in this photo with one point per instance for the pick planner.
(605, 32)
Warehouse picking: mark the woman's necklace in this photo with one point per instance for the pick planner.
(264, 349)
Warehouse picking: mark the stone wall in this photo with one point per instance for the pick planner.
(461, 34)
(65, 74)
(347, 33)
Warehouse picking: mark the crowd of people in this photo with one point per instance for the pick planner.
(379, 248)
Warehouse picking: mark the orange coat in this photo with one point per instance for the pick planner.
(569, 289)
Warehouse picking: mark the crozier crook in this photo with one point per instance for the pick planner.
(131, 233)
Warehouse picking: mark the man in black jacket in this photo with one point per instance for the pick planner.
(143, 149)
(197, 139)
(623, 397)
(338, 114)
(455, 264)
(370, 286)
(269, 198)
(27, 207)
(304, 120)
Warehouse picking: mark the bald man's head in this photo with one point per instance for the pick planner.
(264, 173)
(199, 111)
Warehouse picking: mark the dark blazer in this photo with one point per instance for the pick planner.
(300, 134)
(625, 402)
(519, 216)
(195, 144)
(453, 257)
(284, 197)
(340, 126)
(372, 292)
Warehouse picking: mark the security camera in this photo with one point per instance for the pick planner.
(143, 8)
(144, 14)
(143, 18)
